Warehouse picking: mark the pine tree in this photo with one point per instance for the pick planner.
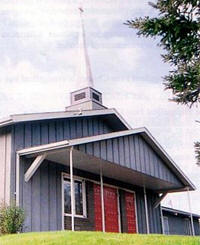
(178, 29)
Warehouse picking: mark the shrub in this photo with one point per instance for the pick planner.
(11, 219)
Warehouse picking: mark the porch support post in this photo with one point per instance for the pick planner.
(190, 209)
(146, 210)
(102, 202)
(72, 188)
(34, 166)
(162, 221)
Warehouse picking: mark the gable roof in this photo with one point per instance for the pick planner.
(111, 115)
(142, 131)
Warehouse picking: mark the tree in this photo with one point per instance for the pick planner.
(178, 29)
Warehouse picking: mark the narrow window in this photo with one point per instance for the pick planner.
(79, 192)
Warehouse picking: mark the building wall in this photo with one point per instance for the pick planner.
(197, 227)
(155, 224)
(5, 162)
(177, 224)
(43, 132)
(132, 152)
(41, 199)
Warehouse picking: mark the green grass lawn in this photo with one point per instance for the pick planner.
(94, 238)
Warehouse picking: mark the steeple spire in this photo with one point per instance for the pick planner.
(84, 74)
(85, 97)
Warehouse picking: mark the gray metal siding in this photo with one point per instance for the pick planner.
(41, 197)
(197, 227)
(177, 224)
(43, 132)
(141, 218)
(132, 152)
(155, 224)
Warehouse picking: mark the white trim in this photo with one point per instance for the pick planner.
(84, 199)
(44, 148)
(136, 214)
(62, 201)
(122, 119)
(191, 216)
(82, 180)
(57, 115)
(119, 213)
(162, 221)
(72, 189)
(146, 210)
(102, 202)
(17, 178)
(34, 166)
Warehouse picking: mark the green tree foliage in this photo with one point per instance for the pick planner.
(11, 219)
(178, 28)
(197, 151)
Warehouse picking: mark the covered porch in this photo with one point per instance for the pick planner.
(114, 160)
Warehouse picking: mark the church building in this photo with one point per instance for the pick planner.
(85, 168)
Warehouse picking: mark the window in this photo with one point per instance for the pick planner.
(80, 198)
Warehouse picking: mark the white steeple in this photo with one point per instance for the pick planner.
(85, 97)
(83, 73)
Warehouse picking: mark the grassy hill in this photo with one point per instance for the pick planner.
(95, 238)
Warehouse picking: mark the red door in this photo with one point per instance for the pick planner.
(130, 212)
(110, 209)
(97, 209)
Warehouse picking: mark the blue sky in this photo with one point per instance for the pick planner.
(38, 42)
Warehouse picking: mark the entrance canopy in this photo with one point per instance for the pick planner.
(131, 156)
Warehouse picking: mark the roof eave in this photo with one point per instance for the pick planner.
(143, 131)
(58, 115)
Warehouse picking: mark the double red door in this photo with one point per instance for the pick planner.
(110, 209)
